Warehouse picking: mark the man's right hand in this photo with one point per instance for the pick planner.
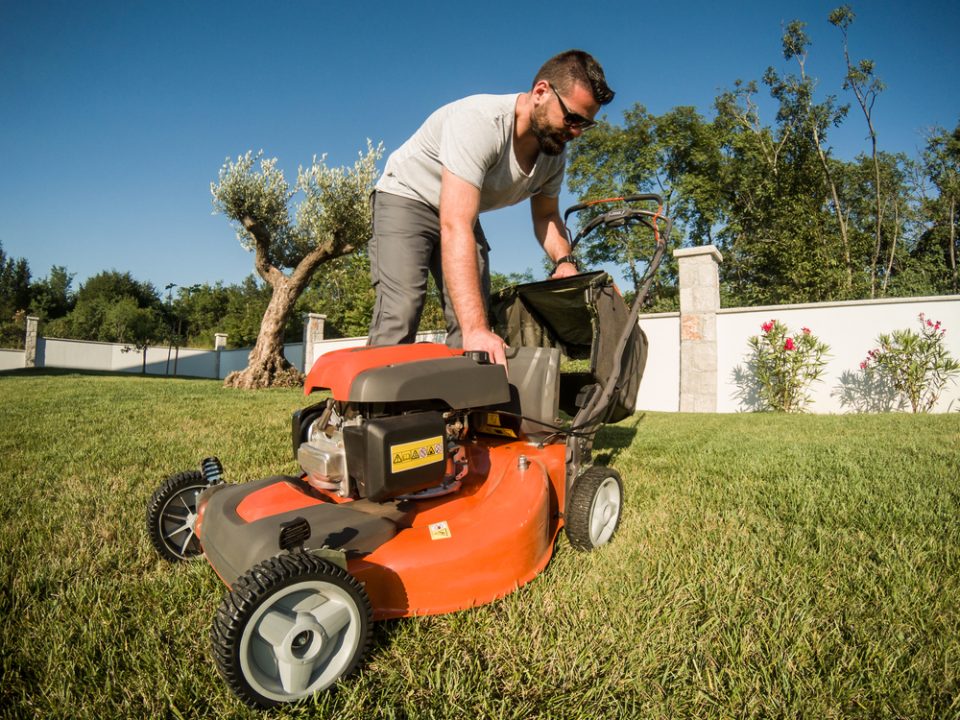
(488, 342)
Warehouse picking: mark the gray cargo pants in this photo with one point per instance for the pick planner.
(406, 246)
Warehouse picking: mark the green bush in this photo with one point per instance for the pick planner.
(785, 365)
(916, 365)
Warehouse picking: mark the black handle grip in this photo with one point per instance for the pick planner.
(640, 197)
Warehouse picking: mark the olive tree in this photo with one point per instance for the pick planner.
(331, 218)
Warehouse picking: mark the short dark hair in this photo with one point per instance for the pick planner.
(576, 66)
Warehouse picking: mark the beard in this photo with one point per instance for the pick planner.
(551, 140)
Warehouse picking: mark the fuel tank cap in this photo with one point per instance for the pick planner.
(481, 357)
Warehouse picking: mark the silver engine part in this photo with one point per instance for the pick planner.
(323, 456)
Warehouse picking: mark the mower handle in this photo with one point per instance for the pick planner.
(599, 405)
(641, 197)
(619, 217)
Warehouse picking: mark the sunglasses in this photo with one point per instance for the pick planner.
(572, 120)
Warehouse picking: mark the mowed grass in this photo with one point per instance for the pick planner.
(766, 566)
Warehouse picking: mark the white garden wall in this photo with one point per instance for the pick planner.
(660, 386)
(11, 359)
(851, 330)
(718, 336)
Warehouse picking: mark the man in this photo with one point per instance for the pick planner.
(476, 154)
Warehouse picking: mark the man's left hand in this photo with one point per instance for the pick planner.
(566, 269)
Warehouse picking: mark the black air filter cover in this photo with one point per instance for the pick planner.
(392, 456)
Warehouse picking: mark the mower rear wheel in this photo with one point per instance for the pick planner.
(172, 513)
(290, 627)
(593, 509)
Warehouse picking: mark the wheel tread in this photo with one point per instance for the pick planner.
(577, 515)
(171, 486)
(249, 590)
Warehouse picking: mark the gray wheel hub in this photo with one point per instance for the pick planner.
(300, 640)
(604, 511)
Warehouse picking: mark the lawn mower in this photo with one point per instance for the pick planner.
(432, 480)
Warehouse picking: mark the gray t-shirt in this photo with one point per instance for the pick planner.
(473, 139)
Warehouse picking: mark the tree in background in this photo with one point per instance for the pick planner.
(51, 297)
(344, 294)
(777, 239)
(111, 307)
(48, 298)
(331, 220)
(14, 299)
(866, 86)
(794, 222)
(941, 241)
(610, 161)
(811, 120)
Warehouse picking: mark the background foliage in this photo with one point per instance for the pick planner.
(794, 222)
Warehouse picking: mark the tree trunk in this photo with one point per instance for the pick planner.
(893, 248)
(953, 242)
(266, 366)
(838, 208)
(879, 204)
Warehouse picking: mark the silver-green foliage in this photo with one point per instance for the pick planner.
(332, 211)
(331, 219)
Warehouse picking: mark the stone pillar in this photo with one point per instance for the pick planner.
(699, 302)
(219, 345)
(30, 342)
(312, 332)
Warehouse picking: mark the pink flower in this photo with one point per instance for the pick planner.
(863, 365)
(789, 344)
(806, 331)
(767, 326)
(929, 323)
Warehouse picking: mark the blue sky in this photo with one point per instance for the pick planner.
(116, 116)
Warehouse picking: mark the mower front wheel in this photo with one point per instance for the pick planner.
(291, 626)
(172, 513)
(594, 507)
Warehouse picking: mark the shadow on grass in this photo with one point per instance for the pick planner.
(612, 440)
(65, 372)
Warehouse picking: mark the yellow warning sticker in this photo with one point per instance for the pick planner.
(416, 454)
(492, 425)
(440, 531)
(502, 432)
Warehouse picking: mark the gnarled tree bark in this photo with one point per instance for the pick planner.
(267, 366)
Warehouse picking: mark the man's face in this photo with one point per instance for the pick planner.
(547, 119)
(552, 139)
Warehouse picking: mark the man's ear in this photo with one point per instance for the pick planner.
(540, 89)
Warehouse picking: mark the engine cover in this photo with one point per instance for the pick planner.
(409, 373)
(392, 456)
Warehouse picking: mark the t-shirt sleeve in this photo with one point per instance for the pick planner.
(469, 146)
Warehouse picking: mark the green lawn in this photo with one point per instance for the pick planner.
(767, 566)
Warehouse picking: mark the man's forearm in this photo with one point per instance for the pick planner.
(461, 276)
(552, 238)
(551, 234)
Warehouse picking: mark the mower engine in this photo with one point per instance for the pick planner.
(413, 454)
(394, 430)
